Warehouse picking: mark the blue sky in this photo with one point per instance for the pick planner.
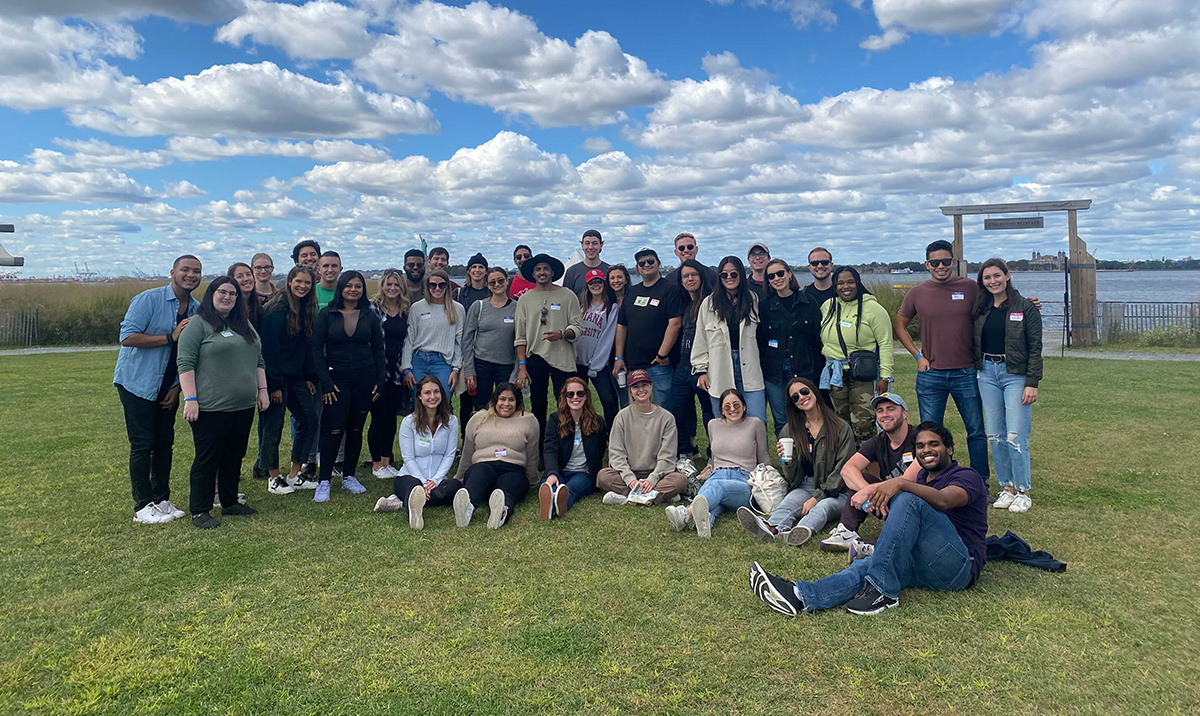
(137, 130)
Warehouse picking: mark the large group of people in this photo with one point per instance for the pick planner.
(335, 351)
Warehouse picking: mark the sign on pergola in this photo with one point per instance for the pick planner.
(1081, 265)
(7, 259)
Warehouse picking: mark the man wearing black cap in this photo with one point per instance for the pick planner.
(549, 321)
(756, 260)
(414, 273)
(591, 243)
(647, 326)
(475, 289)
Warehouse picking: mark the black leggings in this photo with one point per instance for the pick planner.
(381, 436)
(345, 415)
(540, 372)
(483, 477)
(443, 494)
(487, 376)
(606, 391)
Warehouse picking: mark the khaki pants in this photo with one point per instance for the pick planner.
(668, 486)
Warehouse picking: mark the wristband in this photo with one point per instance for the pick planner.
(619, 358)
(265, 389)
(660, 356)
(919, 356)
(406, 371)
(170, 338)
(189, 400)
(520, 362)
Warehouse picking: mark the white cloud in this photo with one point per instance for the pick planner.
(322, 150)
(183, 189)
(316, 30)
(941, 17)
(802, 12)
(597, 145)
(887, 39)
(1091, 60)
(18, 186)
(51, 64)
(257, 100)
(199, 10)
(1080, 17)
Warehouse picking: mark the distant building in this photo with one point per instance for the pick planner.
(1048, 262)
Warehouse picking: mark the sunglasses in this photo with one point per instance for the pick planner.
(545, 313)
(776, 274)
(498, 282)
(733, 405)
(933, 263)
(523, 257)
(576, 393)
(686, 247)
(819, 263)
(437, 285)
(730, 274)
(644, 263)
(414, 266)
(801, 392)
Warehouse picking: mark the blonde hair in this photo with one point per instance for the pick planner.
(447, 300)
(380, 300)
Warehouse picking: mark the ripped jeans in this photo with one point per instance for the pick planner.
(1007, 423)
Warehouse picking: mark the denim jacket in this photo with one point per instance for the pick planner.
(140, 370)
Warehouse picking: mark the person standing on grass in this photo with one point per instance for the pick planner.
(820, 266)
(892, 451)
(439, 260)
(648, 327)
(934, 537)
(686, 248)
(223, 379)
(328, 270)
(286, 334)
(789, 337)
(821, 444)
(428, 439)
(641, 448)
(499, 459)
(147, 381)
(574, 450)
(435, 331)
(575, 277)
(739, 444)
(414, 275)
(308, 253)
(684, 387)
(243, 276)
(263, 267)
(489, 353)
(756, 261)
(390, 305)
(725, 354)
(1008, 363)
(304, 253)
(548, 324)
(618, 281)
(854, 321)
(520, 284)
(348, 350)
(594, 350)
(473, 291)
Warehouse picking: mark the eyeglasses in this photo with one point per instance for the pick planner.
(802, 391)
(822, 262)
(497, 282)
(437, 285)
(685, 247)
(759, 254)
(730, 274)
(644, 263)
(414, 266)
(264, 268)
(934, 263)
(226, 294)
(776, 274)
(576, 393)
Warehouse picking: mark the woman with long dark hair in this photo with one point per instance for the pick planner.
(1008, 364)
(286, 332)
(390, 305)
(593, 350)
(684, 388)
(789, 337)
(222, 379)
(489, 355)
(499, 458)
(243, 276)
(618, 280)
(435, 331)
(428, 439)
(725, 352)
(813, 447)
(854, 321)
(573, 450)
(348, 350)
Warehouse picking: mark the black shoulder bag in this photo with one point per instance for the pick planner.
(864, 365)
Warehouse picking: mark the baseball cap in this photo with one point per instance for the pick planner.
(638, 376)
(644, 251)
(592, 232)
(889, 397)
(592, 275)
(758, 245)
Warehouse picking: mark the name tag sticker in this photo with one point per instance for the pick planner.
(1016, 316)
(654, 302)
(906, 458)
(227, 334)
(641, 301)
(556, 307)
(425, 315)
(956, 296)
(424, 440)
(501, 452)
(847, 324)
(773, 344)
(508, 319)
(578, 439)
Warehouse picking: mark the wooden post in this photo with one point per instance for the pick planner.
(961, 269)
(1083, 286)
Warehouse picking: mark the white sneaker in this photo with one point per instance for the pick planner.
(168, 508)
(679, 517)
(839, 539)
(1021, 503)
(498, 512)
(861, 550)
(280, 486)
(391, 503)
(1004, 500)
(302, 482)
(463, 509)
(614, 498)
(150, 515)
(700, 517)
(416, 506)
(337, 472)
(387, 472)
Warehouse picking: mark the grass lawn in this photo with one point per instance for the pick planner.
(331, 609)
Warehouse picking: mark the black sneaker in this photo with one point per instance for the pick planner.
(778, 593)
(309, 471)
(259, 472)
(238, 509)
(205, 521)
(870, 601)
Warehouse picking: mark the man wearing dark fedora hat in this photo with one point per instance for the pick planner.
(549, 321)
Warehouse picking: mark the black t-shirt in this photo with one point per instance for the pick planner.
(645, 313)
(892, 463)
(820, 295)
(993, 331)
(172, 371)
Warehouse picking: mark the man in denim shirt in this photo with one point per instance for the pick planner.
(147, 381)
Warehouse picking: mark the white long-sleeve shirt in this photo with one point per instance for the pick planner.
(427, 457)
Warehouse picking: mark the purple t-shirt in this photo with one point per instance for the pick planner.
(944, 310)
(970, 520)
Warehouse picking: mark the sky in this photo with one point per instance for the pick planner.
(138, 130)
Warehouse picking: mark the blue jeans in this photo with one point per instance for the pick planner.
(578, 484)
(777, 396)
(685, 391)
(934, 387)
(1007, 422)
(430, 363)
(310, 450)
(726, 489)
(916, 547)
(661, 377)
(756, 400)
(785, 514)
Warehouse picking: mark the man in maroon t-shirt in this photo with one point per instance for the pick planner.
(946, 360)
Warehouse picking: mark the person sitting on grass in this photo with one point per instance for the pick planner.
(892, 452)
(823, 442)
(574, 450)
(641, 448)
(428, 439)
(499, 458)
(739, 444)
(934, 536)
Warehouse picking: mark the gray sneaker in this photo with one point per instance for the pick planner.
(391, 503)
(168, 508)
(754, 524)
(614, 498)
(700, 516)
(796, 536)
(463, 509)
(416, 507)
(679, 517)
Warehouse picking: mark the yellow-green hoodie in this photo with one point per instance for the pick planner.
(876, 328)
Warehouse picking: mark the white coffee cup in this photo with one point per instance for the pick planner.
(788, 445)
(621, 379)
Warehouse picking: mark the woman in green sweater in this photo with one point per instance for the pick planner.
(222, 379)
(854, 321)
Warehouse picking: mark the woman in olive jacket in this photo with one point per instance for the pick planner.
(1008, 361)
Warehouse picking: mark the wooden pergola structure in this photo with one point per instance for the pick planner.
(7, 259)
(1081, 265)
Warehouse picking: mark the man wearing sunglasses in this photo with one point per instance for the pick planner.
(520, 284)
(820, 265)
(648, 325)
(414, 274)
(687, 248)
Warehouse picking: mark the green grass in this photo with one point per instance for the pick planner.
(331, 609)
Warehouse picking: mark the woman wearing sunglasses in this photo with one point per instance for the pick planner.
(594, 349)
(489, 357)
(435, 335)
(739, 444)
(854, 322)
(789, 337)
(693, 279)
(574, 450)
(390, 305)
(820, 444)
(725, 352)
(499, 459)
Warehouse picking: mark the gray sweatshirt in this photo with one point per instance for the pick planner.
(595, 346)
(489, 335)
(428, 330)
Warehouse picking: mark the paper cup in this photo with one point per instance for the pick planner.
(788, 445)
